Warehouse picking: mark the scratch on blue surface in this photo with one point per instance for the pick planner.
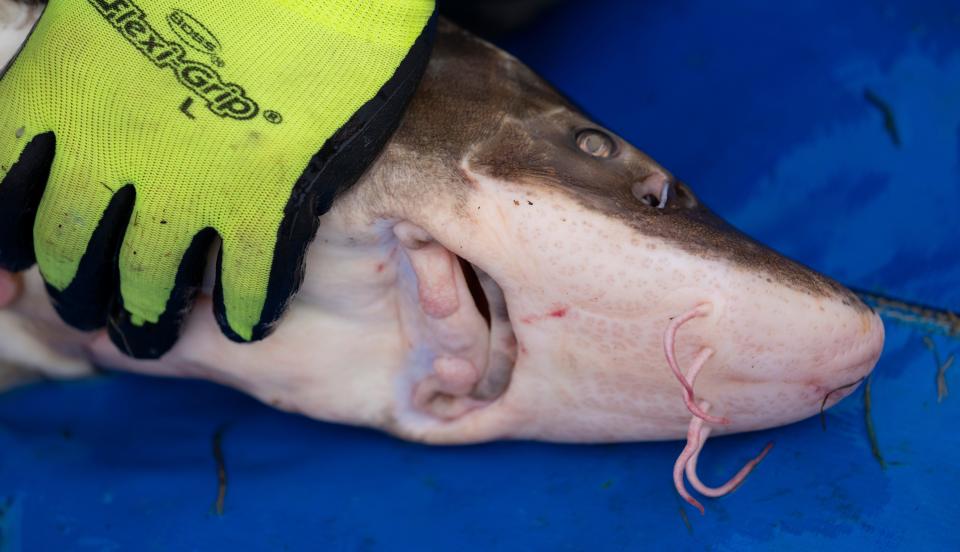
(11, 519)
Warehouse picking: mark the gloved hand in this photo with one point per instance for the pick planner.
(134, 132)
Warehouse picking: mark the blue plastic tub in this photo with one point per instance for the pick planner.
(774, 113)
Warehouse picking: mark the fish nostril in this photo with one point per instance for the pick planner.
(650, 200)
(653, 191)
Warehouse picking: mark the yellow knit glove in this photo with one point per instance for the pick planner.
(134, 132)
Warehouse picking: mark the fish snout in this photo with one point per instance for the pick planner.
(853, 358)
(776, 359)
(840, 350)
(784, 357)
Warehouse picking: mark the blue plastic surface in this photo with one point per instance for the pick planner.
(761, 107)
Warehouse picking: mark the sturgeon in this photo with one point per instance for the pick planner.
(510, 269)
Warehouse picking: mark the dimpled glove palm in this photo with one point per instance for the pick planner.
(134, 132)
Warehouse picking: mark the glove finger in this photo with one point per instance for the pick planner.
(23, 181)
(20, 193)
(328, 174)
(151, 340)
(252, 290)
(84, 303)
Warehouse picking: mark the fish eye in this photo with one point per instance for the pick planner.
(596, 143)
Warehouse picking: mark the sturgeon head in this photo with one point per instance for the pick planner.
(509, 269)
(587, 255)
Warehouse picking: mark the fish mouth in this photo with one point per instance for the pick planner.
(463, 348)
(490, 301)
(480, 301)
